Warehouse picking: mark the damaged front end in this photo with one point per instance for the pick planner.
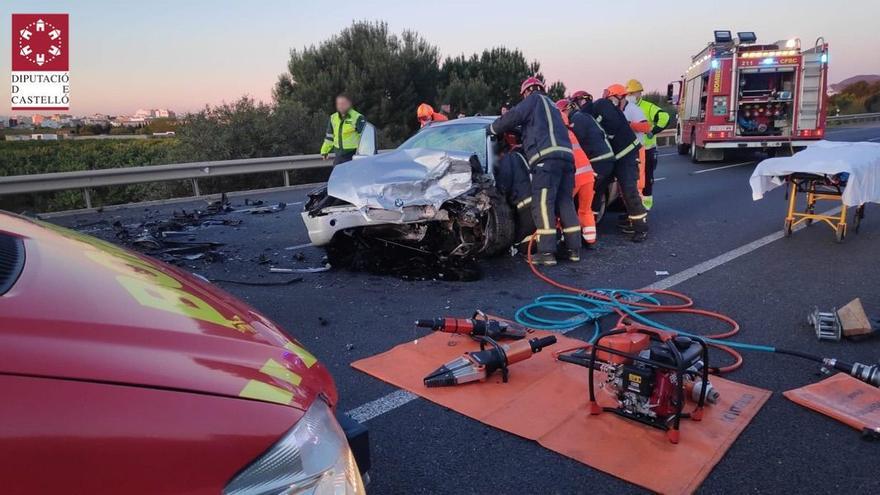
(425, 201)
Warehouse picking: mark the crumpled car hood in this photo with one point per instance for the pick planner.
(401, 178)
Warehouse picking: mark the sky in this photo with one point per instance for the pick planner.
(183, 54)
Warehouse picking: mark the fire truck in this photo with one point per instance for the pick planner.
(740, 94)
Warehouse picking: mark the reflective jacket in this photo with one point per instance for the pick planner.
(622, 138)
(591, 137)
(583, 171)
(513, 180)
(343, 132)
(658, 118)
(544, 135)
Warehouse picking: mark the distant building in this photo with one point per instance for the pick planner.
(44, 137)
(18, 137)
(154, 113)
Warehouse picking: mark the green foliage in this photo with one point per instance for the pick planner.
(858, 97)
(40, 157)
(387, 76)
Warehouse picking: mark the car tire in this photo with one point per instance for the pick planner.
(604, 206)
(500, 229)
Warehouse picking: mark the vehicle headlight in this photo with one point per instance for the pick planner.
(312, 458)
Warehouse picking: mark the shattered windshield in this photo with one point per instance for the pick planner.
(468, 138)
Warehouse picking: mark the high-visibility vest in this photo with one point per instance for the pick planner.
(342, 134)
(658, 118)
(583, 170)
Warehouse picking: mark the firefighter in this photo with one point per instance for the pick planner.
(595, 144)
(659, 120)
(625, 145)
(514, 182)
(427, 115)
(343, 131)
(551, 162)
(583, 178)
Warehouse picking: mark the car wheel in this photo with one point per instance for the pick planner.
(603, 205)
(500, 227)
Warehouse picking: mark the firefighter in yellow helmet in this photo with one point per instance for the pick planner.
(343, 131)
(659, 120)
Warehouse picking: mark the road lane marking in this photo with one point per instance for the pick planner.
(382, 405)
(874, 139)
(667, 154)
(400, 397)
(658, 179)
(704, 170)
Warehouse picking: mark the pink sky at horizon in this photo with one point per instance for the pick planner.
(183, 55)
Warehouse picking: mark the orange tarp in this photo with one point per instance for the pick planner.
(546, 401)
(842, 397)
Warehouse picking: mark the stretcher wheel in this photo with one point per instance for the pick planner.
(840, 233)
(860, 214)
(786, 230)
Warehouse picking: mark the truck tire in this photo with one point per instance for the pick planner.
(683, 149)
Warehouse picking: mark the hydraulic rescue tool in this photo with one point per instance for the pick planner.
(478, 326)
(651, 374)
(492, 356)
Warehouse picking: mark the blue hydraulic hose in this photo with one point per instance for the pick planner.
(580, 309)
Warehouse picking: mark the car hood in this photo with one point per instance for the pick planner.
(86, 309)
(401, 178)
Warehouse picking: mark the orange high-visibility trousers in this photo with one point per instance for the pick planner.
(583, 196)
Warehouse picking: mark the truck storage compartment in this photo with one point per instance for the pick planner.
(765, 101)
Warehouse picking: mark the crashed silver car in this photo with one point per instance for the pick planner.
(435, 193)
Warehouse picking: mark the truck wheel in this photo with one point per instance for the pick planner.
(683, 149)
(694, 153)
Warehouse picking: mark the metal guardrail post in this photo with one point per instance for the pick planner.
(87, 197)
(195, 186)
(286, 178)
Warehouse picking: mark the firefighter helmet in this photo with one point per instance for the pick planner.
(616, 90)
(425, 111)
(531, 82)
(634, 86)
(563, 104)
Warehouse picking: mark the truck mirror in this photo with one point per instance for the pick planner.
(669, 90)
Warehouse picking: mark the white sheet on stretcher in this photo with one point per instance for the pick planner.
(861, 160)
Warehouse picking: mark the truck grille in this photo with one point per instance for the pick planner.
(11, 261)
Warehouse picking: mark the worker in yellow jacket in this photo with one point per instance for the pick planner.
(343, 131)
(659, 120)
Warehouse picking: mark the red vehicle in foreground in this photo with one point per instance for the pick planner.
(740, 94)
(123, 375)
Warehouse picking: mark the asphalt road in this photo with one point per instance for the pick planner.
(701, 212)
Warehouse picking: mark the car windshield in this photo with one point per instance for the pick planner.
(468, 138)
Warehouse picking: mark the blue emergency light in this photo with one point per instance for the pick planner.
(823, 58)
(768, 61)
(714, 63)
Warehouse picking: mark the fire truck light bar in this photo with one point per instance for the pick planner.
(747, 36)
(723, 36)
(778, 53)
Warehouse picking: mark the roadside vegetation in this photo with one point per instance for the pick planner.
(858, 97)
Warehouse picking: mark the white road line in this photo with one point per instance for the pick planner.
(658, 179)
(874, 139)
(381, 405)
(703, 171)
(667, 154)
(399, 397)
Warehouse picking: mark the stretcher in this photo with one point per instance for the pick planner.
(848, 173)
(816, 188)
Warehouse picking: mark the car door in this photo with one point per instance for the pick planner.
(368, 144)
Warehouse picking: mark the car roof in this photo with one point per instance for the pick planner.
(479, 119)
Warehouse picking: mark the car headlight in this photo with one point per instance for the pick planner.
(312, 458)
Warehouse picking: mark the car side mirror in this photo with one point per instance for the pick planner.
(368, 145)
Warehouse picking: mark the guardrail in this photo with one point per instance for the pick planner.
(87, 179)
(854, 118)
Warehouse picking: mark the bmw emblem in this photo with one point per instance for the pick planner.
(398, 202)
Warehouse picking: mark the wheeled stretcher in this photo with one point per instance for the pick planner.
(848, 173)
(819, 187)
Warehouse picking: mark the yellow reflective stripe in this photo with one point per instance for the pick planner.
(625, 151)
(544, 100)
(610, 154)
(303, 354)
(638, 217)
(526, 239)
(265, 392)
(545, 231)
(568, 230)
(277, 370)
(547, 151)
(524, 203)
(545, 216)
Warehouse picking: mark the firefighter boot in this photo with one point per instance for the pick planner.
(546, 259)
(640, 228)
(625, 224)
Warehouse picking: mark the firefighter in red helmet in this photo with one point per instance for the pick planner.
(583, 178)
(426, 115)
(551, 160)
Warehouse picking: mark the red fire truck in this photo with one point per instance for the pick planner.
(739, 94)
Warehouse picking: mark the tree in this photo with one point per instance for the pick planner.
(386, 76)
(483, 83)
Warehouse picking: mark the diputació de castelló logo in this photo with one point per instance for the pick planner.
(40, 62)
